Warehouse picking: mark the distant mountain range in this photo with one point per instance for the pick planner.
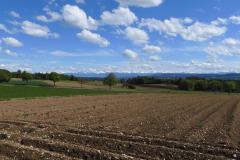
(224, 76)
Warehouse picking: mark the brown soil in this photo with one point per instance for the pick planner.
(135, 126)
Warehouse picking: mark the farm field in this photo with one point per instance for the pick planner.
(126, 126)
(16, 89)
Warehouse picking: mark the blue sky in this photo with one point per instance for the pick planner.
(120, 35)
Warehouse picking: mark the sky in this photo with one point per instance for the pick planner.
(130, 36)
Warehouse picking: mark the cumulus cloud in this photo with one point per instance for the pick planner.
(14, 14)
(220, 21)
(52, 16)
(227, 21)
(228, 47)
(201, 32)
(136, 35)
(185, 28)
(93, 38)
(154, 58)
(120, 16)
(9, 52)
(140, 3)
(37, 30)
(151, 49)
(15, 66)
(12, 42)
(235, 19)
(77, 17)
(231, 41)
(130, 54)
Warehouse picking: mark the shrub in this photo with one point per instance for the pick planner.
(131, 86)
(5, 75)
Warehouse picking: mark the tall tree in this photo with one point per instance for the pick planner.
(55, 77)
(26, 76)
(110, 80)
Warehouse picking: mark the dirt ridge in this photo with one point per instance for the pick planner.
(59, 143)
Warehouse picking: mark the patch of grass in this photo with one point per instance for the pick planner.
(24, 91)
(30, 83)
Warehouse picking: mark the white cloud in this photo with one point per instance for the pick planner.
(136, 35)
(52, 16)
(188, 30)
(12, 42)
(154, 58)
(235, 19)
(80, 1)
(14, 14)
(227, 21)
(51, 2)
(151, 49)
(220, 21)
(14, 67)
(77, 17)
(120, 16)
(228, 47)
(231, 41)
(140, 3)
(93, 38)
(8, 52)
(4, 28)
(60, 53)
(130, 54)
(37, 30)
(207, 65)
(201, 32)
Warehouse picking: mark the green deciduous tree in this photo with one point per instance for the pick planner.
(230, 86)
(201, 85)
(26, 76)
(5, 75)
(110, 80)
(215, 86)
(55, 77)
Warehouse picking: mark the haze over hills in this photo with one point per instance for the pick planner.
(226, 76)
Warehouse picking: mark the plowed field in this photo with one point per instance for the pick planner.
(134, 126)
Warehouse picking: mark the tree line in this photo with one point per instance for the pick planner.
(192, 83)
(187, 84)
(5, 76)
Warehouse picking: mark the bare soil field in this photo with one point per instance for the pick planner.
(131, 126)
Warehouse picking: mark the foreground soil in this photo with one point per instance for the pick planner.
(134, 126)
